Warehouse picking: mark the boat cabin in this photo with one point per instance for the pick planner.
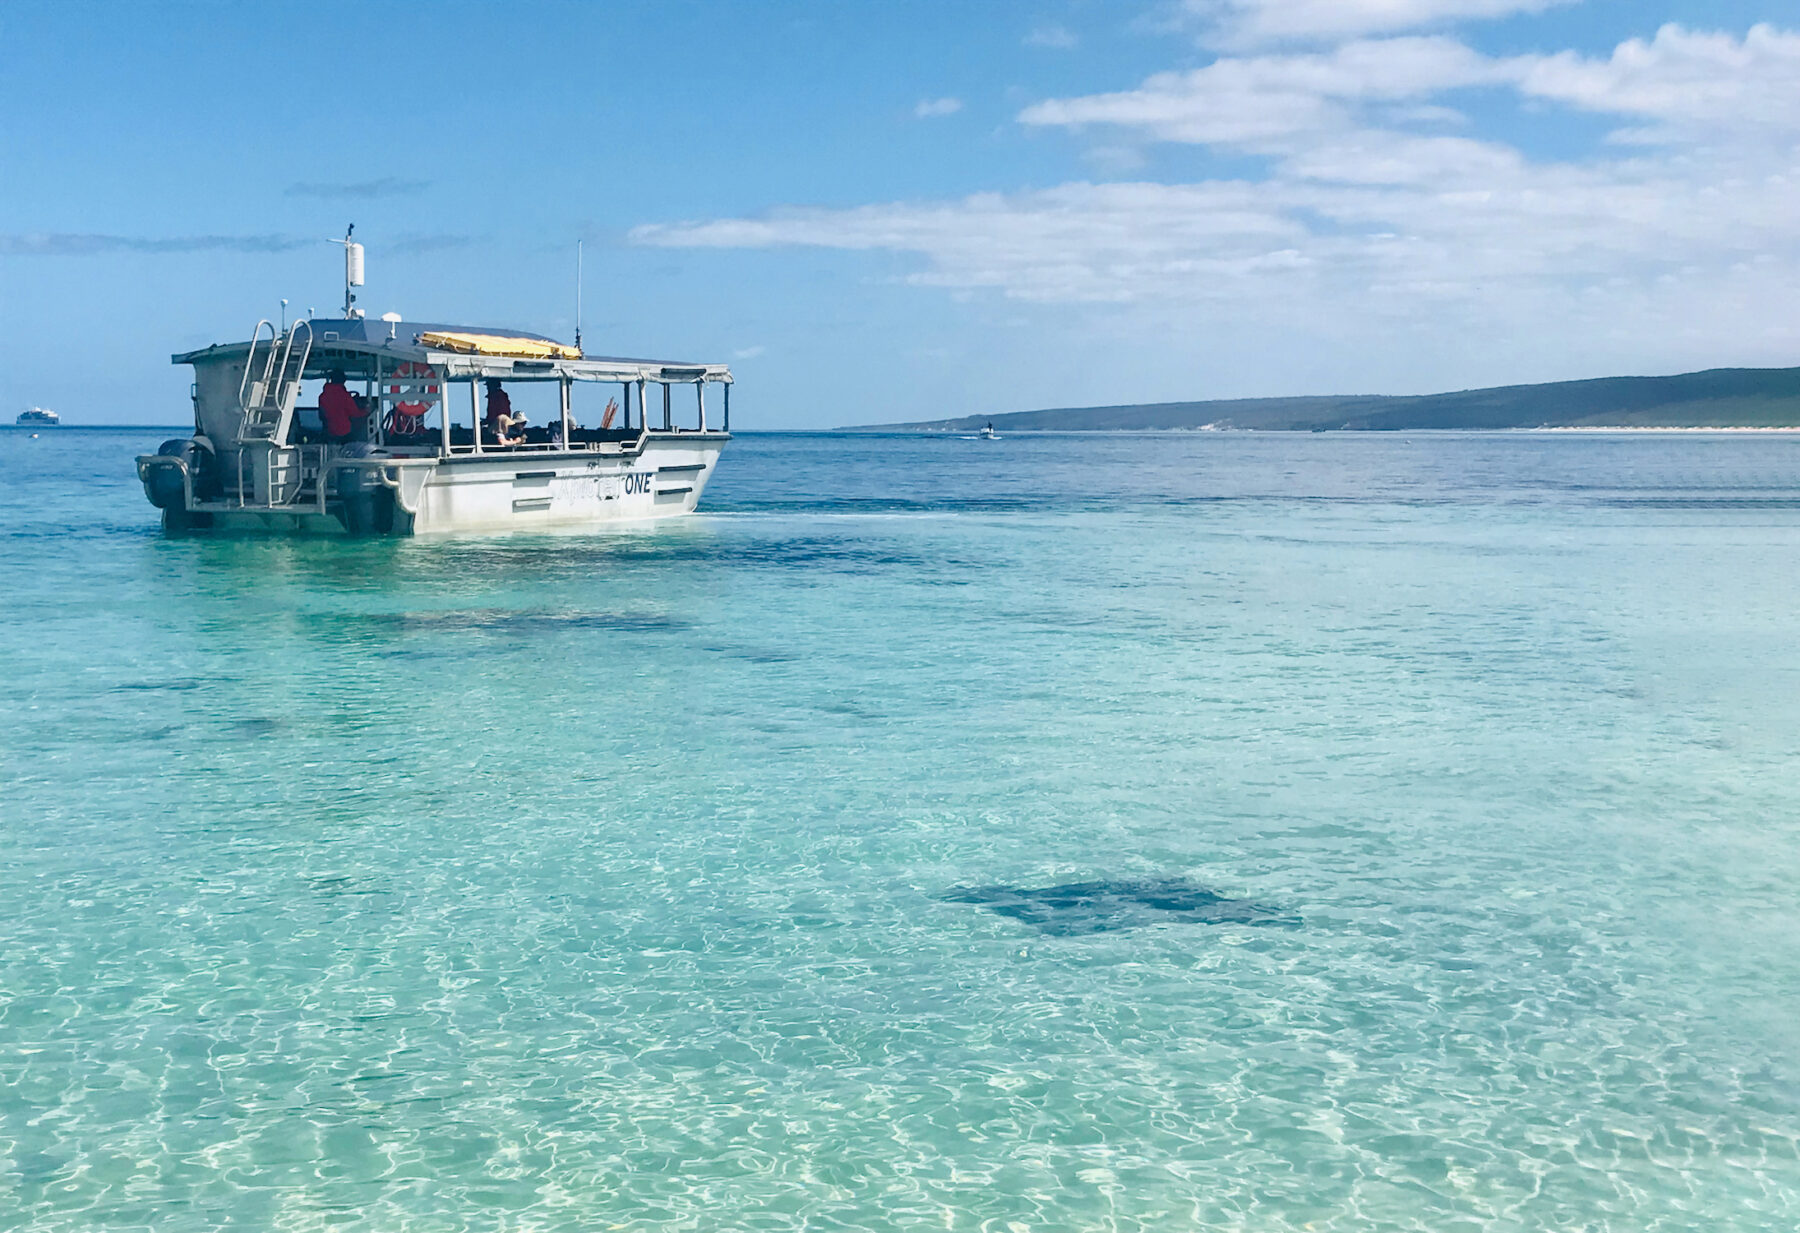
(422, 388)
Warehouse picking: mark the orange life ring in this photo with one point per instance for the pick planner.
(408, 418)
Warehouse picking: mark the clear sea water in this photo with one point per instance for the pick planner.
(611, 882)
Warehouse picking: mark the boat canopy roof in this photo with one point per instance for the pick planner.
(458, 351)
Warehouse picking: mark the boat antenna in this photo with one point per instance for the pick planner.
(353, 272)
(578, 295)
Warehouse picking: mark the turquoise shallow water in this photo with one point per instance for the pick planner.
(586, 883)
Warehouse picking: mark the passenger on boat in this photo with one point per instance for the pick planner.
(339, 408)
(500, 419)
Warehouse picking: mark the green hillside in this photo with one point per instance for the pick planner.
(1717, 398)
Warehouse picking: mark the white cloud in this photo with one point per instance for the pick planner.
(1687, 82)
(748, 353)
(1367, 235)
(1114, 160)
(1060, 38)
(1261, 21)
(1264, 99)
(1076, 242)
(1144, 242)
(1377, 156)
(933, 107)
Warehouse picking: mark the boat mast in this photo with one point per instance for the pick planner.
(353, 272)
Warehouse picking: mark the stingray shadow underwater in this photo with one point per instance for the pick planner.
(1102, 905)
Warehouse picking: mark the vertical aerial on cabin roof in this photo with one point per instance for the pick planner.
(353, 272)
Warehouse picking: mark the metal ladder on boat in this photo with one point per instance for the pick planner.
(270, 385)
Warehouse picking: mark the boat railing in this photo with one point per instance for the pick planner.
(287, 471)
(267, 398)
(250, 393)
(625, 445)
(475, 442)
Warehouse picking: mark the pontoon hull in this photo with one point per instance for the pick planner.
(528, 491)
(486, 493)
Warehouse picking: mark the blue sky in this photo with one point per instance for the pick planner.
(906, 210)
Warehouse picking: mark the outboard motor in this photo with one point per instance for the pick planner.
(365, 504)
(163, 484)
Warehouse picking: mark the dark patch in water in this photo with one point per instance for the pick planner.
(1750, 503)
(796, 553)
(849, 708)
(256, 727)
(752, 655)
(513, 623)
(809, 553)
(338, 884)
(131, 686)
(1099, 906)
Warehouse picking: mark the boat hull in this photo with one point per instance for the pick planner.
(499, 492)
(661, 476)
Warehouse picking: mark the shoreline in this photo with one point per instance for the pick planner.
(1305, 432)
(882, 430)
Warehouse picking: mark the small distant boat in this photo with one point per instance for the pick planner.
(37, 415)
(988, 434)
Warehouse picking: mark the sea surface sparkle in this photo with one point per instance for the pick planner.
(1212, 831)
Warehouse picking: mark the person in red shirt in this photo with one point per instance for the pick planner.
(339, 408)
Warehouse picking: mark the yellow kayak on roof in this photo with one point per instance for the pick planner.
(499, 344)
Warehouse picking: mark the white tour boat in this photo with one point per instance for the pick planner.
(428, 461)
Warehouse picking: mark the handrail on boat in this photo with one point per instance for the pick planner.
(250, 360)
(273, 381)
(281, 372)
(626, 445)
(288, 352)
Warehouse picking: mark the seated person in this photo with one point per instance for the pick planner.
(565, 430)
(501, 422)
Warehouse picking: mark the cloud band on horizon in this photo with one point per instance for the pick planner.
(1368, 209)
(85, 244)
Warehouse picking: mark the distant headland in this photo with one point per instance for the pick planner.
(1717, 398)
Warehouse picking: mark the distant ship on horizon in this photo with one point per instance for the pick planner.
(37, 415)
